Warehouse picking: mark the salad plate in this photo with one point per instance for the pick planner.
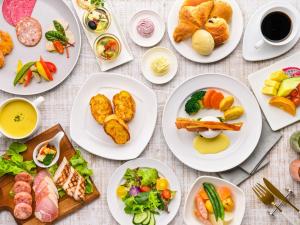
(241, 143)
(56, 10)
(148, 167)
(234, 213)
(185, 47)
(88, 133)
(276, 118)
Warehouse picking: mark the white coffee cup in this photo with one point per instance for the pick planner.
(35, 104)
(294, 27)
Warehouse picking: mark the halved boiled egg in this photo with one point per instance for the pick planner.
(210, 133)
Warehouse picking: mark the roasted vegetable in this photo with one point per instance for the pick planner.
(226, 103)
(22, 72)
(233, 113)
(194, 104)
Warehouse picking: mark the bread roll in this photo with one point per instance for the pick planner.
(219, 29)
(100, 107)
(124, 106)
(117, 129)
(203, 42)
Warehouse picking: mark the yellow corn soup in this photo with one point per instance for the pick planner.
(18, 118)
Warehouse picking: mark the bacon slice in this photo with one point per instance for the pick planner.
(196, 126)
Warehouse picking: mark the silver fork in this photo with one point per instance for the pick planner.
(268, 199)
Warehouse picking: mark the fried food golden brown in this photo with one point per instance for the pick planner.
(2, 60)
(6, 43)
(100, 107)
(124, 106)
(117, 129)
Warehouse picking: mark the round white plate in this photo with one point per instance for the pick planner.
(55, 9)
(87, 133)
(147, 59)
(159, 28)
(242, 143)
(185, 47)
(116, 206)
(253, 35)
(237, 194)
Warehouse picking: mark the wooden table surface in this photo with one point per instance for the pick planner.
(59, 101)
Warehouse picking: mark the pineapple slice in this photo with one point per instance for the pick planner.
(272, 83)
(278, 76)
(272, 91)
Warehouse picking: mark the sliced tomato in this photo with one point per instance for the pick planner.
(51, 66)
(28, 78)
(216, 99)
(207, 97)
(145, 189)
(166, 194)
(48, 73)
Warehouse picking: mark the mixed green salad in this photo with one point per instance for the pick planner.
(144, 194)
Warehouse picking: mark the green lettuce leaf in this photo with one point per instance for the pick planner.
(148, 175)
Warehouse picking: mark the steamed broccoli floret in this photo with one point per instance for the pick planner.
(192, 106)
(198, 95)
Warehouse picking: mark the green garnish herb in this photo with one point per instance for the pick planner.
(22, 72)
(54, 35)
(48, 159)
(59, 27)
(97, 3)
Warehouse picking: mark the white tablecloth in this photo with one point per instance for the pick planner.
(57, 107)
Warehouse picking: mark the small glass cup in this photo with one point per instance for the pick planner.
(101, 10)
(101, 37)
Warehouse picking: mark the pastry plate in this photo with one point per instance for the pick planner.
(239, 199)
(185, 47)
(56, 9)
(242, 143)
(152, 54)
(252, 35)
(90, 135)
(276, 118)
(116, 206)
(159, 28)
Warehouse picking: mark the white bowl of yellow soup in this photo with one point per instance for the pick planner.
(19, 117)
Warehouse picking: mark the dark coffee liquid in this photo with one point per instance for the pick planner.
(276, 26)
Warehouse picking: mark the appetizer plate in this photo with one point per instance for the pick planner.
(185, 47)
(237, 193)
(56, 9)
(90, 135)
(153, 53)
(253, 35)
(276, 118)
(116, 206)
(242, 143)
(159, 28)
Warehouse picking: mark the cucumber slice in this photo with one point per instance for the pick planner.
(152, 220)
(139, 218)
(147, 220)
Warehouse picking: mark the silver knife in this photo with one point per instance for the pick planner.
(278, 194)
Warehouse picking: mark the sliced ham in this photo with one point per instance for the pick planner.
(46, 210)
(21, 9)
(39, 177)
(6, 9)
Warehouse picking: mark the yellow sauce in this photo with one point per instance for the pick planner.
(18, 118)
(211, 146)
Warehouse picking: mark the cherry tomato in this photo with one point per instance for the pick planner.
(162, 184)
(166, 194)
(145, 189)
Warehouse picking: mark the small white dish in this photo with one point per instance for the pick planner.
(90, 135)
(185, 47)
(276, 118)
(116, 206)
(159, 28)
(242, 143)
(152, 54)
(253, 35)
(55, 141)
(237, 194)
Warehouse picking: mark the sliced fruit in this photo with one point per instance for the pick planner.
(203, 195)
(228, 204)
(233, 113)
(272, 83)
(226, 103)
(216, 99)
(278, 76)
(287, 86)
(269, 91)
(206, 100)
(284, 104)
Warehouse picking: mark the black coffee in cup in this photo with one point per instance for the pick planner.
(276, 26)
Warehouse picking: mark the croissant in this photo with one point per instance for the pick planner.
(191, 18)
(219, 29)
(193, 2)
(222, 9)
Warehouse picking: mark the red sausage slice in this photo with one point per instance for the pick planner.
(22, 211)
(24, 176)
(23, 197)
(21, 186)
(29, 31)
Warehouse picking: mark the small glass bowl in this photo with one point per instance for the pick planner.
(103, 11)
(105, 36)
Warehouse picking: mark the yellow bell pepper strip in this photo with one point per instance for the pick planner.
(28, 78)
(22, 72)
(19, 66)
(41, 70)
(46, 69)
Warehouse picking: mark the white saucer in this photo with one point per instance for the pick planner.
(147, 59)
(252, 35)
(159, 28)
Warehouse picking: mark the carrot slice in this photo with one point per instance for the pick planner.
(216, 99)
(224, 192)
(203, 194)
(207, 97)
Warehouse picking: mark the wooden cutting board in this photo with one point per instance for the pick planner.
(67, 205)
